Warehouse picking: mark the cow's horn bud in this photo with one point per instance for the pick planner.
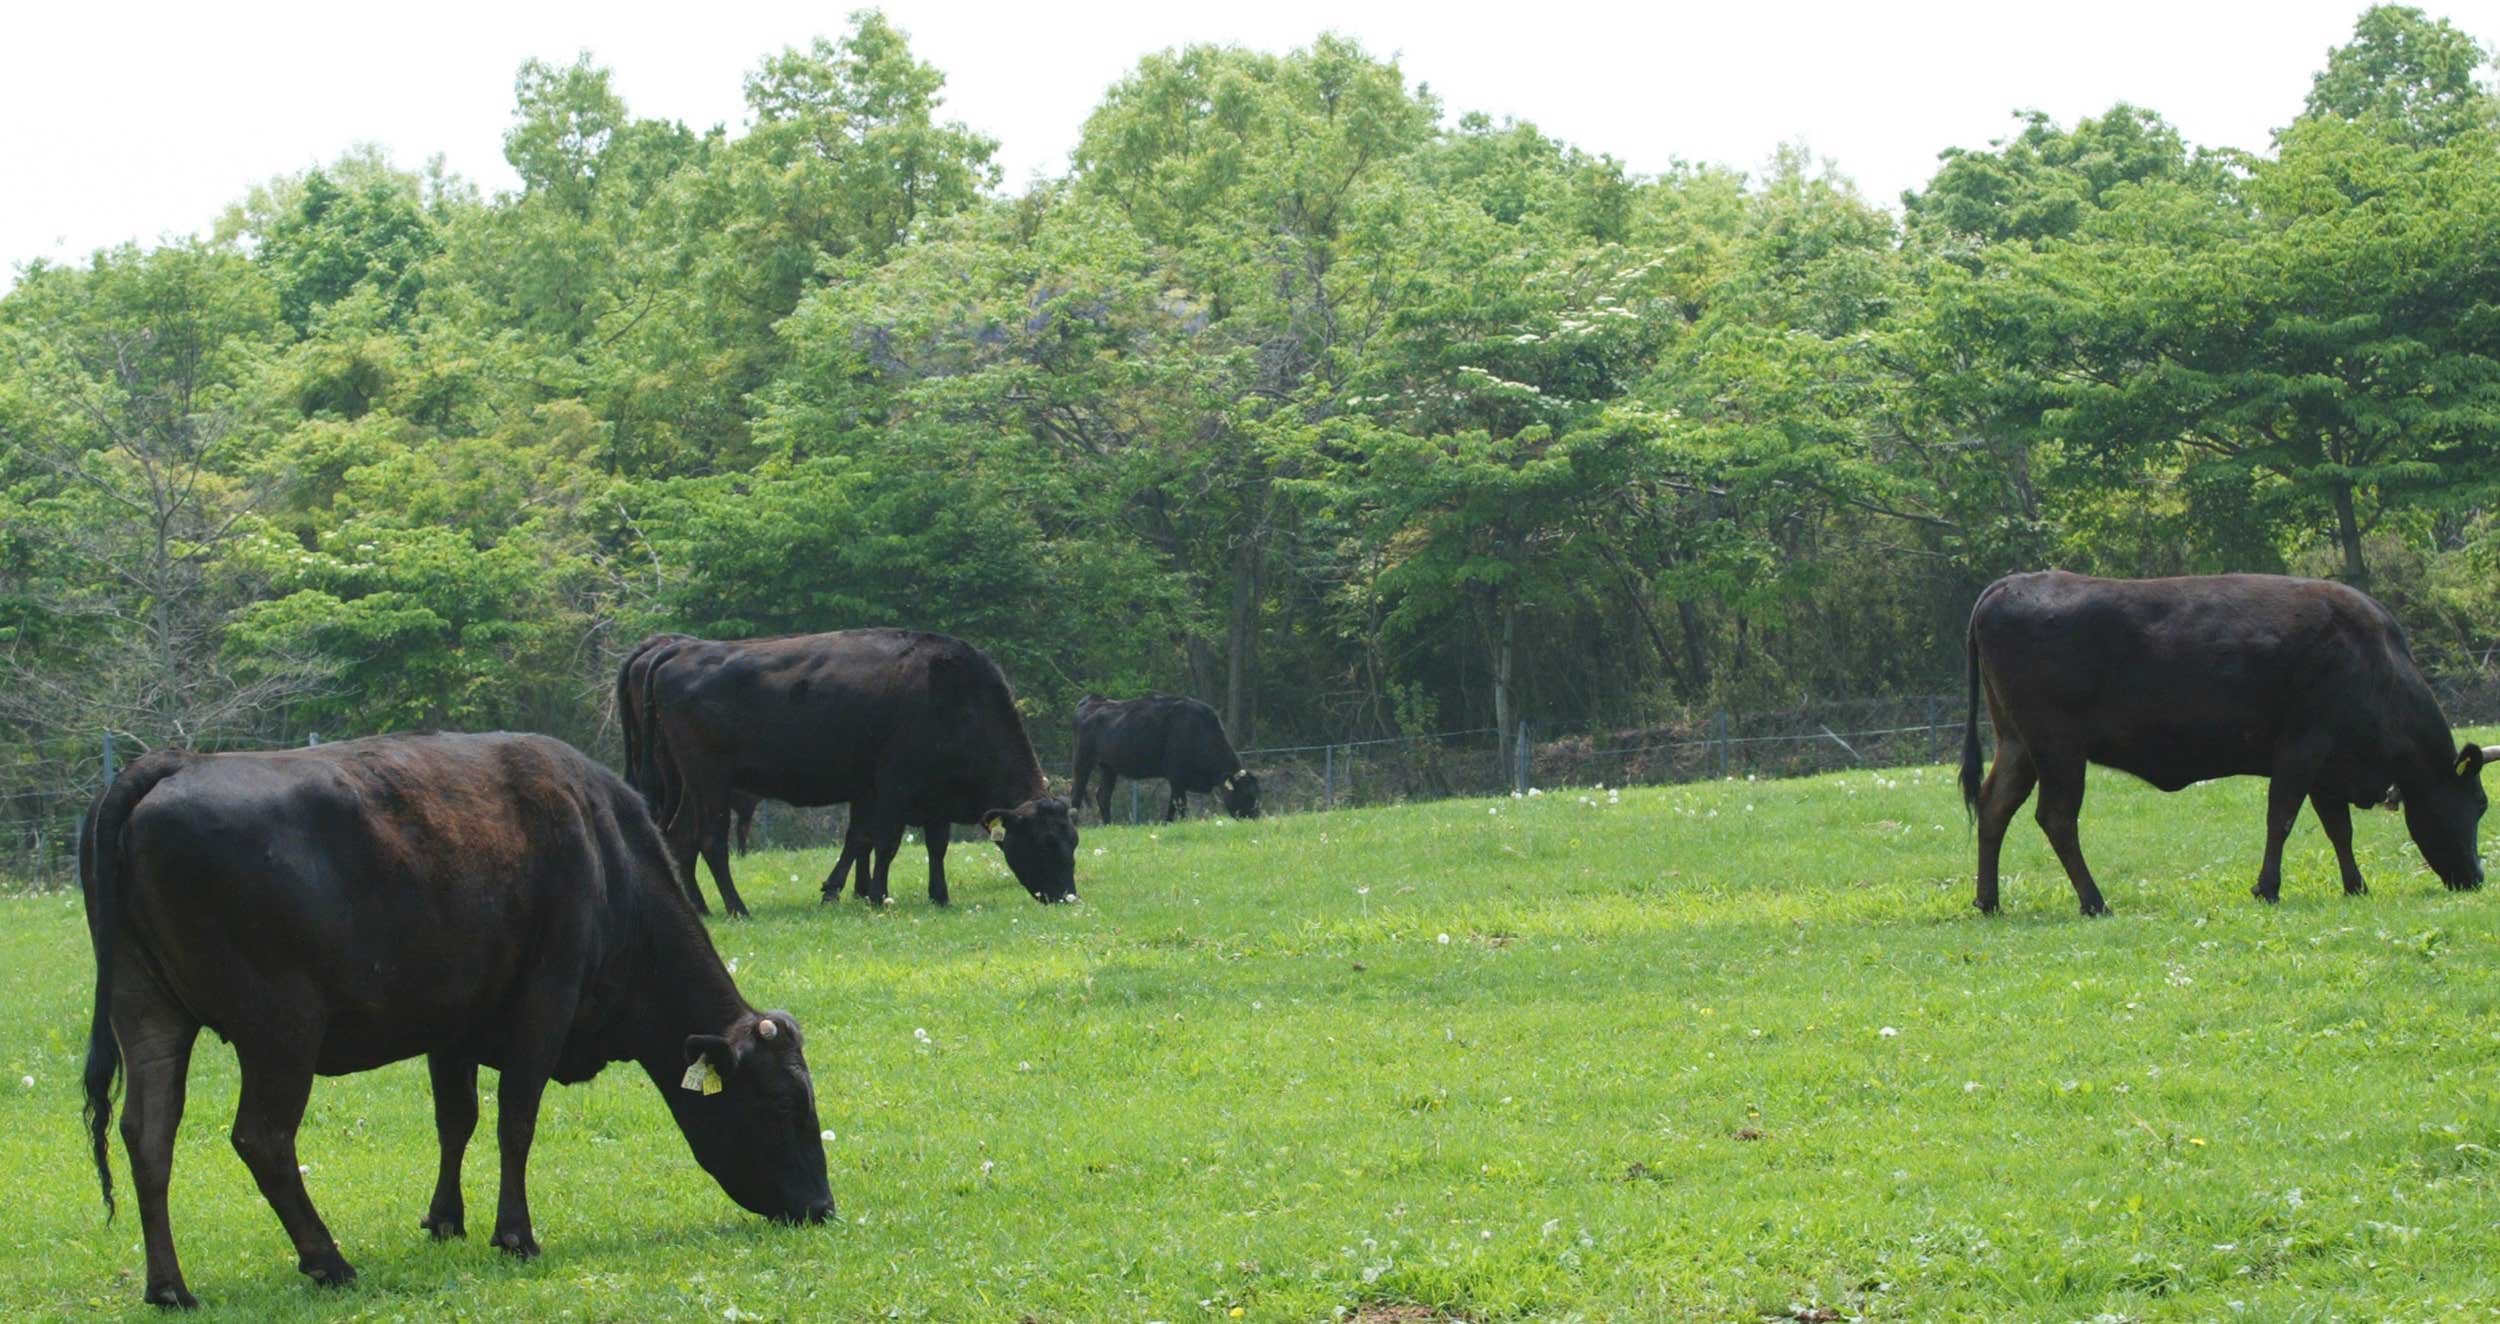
(767, 1028)
(2491, 753)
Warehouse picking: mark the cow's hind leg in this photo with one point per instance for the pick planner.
(2059, 810)
(716, 855)
(156, 1039)
(1102, 797)
(2336, 817)
(455, 1120)
(2009, 783)
(276, 1083)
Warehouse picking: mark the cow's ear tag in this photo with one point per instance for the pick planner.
(2465, 764)
(701, 1078)
(997, 833)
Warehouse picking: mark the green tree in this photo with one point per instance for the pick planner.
(2408, 76)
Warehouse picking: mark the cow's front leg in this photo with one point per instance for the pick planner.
(455, 1120)
(938, 835)
(516, 1125)
(2336, 817)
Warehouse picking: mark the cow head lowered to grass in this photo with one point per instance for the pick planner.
(2442, 807)
(747, 1104)
(1240, 793)
(1038, 838)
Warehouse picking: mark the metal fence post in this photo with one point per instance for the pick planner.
(1132, 803)
(1519, 778)
(1723, 742)
(1935, 750)
(1328, 778)
(108, 758)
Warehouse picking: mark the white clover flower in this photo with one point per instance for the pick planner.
(828, 1136)
(920, 1034)
(1445, 940)
(1887, 1032)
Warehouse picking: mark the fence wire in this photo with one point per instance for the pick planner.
(41, 801)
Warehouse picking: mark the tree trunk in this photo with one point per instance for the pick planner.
(2348, 538)
(1504, 706)
(1696, 649)
(1240, 643)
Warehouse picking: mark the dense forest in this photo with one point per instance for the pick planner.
(1297, 391)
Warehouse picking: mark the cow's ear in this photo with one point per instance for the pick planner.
(2470, 761)
(710, 1061)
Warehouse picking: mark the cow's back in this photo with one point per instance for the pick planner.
(821, 718)
(2186, 679)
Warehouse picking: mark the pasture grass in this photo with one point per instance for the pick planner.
(1731, 1051)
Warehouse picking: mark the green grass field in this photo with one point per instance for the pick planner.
(1719, 1052)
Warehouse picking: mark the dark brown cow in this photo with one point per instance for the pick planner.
(493, 900)
(905, 726)
(2301, 681)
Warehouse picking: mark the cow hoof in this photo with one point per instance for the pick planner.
(444, 1227)
(2095, 909)
(329, 1270)
(519, 1245)
(172, 1296)
(937, 898)
(2263, 893)
(1985, 907)
(2465, 887)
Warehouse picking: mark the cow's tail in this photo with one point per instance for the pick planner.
(99, 876)
(625, 724)
(652, 772)
(1973, 765)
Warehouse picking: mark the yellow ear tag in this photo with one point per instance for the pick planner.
(701, 1078)
(2465, 764)
(997, 833)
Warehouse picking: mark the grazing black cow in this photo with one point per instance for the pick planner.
(2304, 682)
(1179, 740)
(905, 726)
(494, 900)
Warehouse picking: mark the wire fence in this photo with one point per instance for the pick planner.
(41, 802)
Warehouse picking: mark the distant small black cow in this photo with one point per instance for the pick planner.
(2177, 681)
(1179, 740)
(494, 900)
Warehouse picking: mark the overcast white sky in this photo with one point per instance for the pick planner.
(136, 121)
